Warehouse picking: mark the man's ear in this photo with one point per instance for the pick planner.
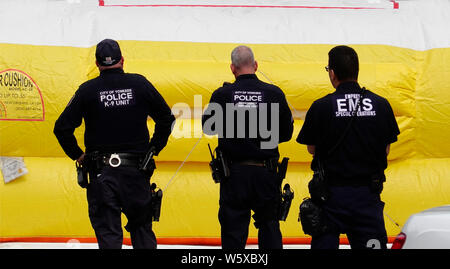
(233, 69)
(256, 66)
(332, 75)
(333, 79)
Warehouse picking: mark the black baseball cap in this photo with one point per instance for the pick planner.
(108, 52)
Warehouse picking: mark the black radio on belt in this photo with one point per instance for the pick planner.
(219, 166)
(82, 175)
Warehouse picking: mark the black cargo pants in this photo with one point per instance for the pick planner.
(112, 191)
(356, 211)
(250, 188)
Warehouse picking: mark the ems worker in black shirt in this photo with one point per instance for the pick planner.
(250, 118)
(354, 171)
(115, 107)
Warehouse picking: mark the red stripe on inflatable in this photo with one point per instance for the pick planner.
(208, 241)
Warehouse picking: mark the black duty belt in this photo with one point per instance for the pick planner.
(251, 162)
(343, 181)
(120, 159)
(270, 163)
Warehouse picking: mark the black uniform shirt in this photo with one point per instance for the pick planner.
(115, 107)
(363, 151)
(247, 140)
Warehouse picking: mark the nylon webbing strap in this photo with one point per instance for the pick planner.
(344, 134)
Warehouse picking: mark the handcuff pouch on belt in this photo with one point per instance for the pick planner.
(220, 169)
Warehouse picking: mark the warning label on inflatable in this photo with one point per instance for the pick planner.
(12, 168)
(20, 97)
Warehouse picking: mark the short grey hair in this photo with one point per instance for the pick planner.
(242, 56)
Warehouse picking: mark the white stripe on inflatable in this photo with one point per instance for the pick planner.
(420, 24)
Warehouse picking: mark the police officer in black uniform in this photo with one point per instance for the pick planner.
(253, 183)
(354, 171)
(115, 107)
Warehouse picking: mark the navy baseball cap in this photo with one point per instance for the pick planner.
(108, 52)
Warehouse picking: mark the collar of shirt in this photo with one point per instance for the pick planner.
(112, 71)
(246, 76)
(348, 86)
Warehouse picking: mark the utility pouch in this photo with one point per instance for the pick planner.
(82, 175)
(219, 166)
(286, 199)
(318, 187)
(312, 218)
(311, 213)
(156, 202)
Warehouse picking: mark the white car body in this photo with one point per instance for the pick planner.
(429, 229)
